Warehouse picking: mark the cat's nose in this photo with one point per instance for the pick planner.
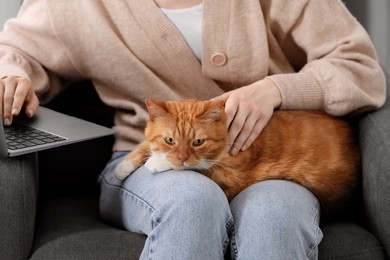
(182, 157)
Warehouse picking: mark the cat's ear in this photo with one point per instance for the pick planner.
(214, 110)
(156, 108)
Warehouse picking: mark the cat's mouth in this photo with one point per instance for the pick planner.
(183, 166)
(202, 165)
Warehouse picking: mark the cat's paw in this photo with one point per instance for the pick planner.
(124, 169)
(157, 164)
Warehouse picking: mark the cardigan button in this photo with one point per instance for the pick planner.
(219, 59)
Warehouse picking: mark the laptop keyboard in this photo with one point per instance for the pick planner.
(20, 136)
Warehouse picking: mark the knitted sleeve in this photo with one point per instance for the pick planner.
(341, 74)
(29, 47)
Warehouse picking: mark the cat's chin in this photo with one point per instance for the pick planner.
(181, 167)
(158, 162)
(203, 165)
(191, 167)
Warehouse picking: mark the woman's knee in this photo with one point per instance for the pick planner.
(185, 195)
(192, 192)
(276, 197)
(192, 213)
(277, 213)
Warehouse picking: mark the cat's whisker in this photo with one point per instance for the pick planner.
(219, 163)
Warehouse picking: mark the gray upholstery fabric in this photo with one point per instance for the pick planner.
(343, 240)
(375, 148)
(70, 228)
(17, 206)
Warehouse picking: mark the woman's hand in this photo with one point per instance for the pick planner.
(248, 111)
(16, 93)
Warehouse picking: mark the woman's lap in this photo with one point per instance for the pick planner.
(184, 214)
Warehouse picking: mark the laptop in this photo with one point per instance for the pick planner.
(47, 129)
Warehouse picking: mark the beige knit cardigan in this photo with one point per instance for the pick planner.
(315, 51)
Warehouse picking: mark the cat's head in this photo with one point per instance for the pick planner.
(190, 134)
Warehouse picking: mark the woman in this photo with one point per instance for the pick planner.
(255, 55)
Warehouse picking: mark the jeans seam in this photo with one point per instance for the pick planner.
(232, 234)
(229, 227)
(317, 229)
(129, 193)
(153, 237)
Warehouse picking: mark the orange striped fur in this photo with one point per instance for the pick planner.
(311, 148)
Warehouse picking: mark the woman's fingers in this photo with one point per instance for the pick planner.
(23, 89)
(256, 130)
(9, 84)
(246, 126)
(248, 110)
(32, 103)
(16, 93)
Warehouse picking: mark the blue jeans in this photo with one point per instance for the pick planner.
(185, 215)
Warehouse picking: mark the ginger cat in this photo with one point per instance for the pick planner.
(311, 148)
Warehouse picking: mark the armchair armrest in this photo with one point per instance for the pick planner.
(18, 195)
(374, 138)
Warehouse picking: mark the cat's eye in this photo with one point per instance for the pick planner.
(198, 142)
(169, 140)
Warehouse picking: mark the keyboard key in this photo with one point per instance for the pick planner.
(20, 136)
(37, 141)
(48, 140)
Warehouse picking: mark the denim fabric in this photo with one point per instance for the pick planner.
(187, 216)
(276, 220)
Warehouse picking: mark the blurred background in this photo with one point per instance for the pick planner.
(8, 8)
(375, 17)
(373, 14)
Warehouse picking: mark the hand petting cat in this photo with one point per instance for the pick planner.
(248, 110)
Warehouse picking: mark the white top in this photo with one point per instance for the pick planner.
(189, 22)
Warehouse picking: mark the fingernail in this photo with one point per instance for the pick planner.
(244, 148)
(30, 113)
(233, 151)
(14, 111)
(7, 121)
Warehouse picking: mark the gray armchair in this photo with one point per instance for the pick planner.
(49, 200)
(54, 214)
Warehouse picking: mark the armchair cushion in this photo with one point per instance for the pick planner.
(346, 240)
(18, 197)
(72, 230)
(374, 140)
